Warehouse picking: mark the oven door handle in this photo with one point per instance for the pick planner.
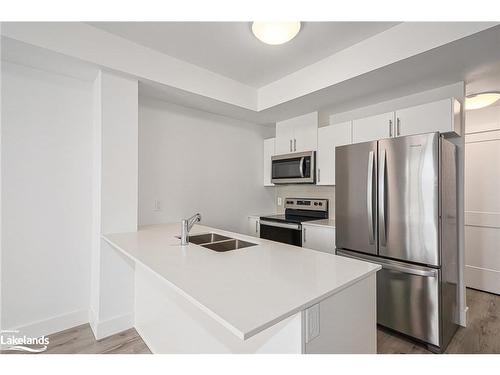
(281, 225)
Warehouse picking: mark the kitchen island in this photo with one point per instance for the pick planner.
(267, 298)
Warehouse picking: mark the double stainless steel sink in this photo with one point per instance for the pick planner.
(218, 242)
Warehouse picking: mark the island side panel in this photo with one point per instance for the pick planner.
(169, 323)
(347, 321)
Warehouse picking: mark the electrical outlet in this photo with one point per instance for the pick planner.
(280, 201)
(157, 205)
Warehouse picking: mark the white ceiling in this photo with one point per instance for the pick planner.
(230, 49)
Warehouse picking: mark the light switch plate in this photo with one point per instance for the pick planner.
(312, 322)
(157, 205)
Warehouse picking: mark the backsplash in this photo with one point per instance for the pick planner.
(306, 191)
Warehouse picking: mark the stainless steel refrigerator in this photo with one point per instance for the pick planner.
(396, 202)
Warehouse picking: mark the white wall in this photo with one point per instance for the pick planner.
(194, 161)
(115, 199)
(47, 150)
(482, 200)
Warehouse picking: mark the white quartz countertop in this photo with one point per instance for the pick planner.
(321, 223)
(246, 290)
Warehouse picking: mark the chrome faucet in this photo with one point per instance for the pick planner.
(186, 226)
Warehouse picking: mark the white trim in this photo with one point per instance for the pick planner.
(54, 324)
(113, 325)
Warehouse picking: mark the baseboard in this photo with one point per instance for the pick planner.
(55, 324)
(112, 326)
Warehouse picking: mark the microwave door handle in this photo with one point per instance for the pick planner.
(301, 167)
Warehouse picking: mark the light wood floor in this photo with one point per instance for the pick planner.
(481, 336)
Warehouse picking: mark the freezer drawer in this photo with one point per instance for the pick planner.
(409, 303)
(407, 298)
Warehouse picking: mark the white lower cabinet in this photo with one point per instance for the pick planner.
(318, 237)
(254, 226)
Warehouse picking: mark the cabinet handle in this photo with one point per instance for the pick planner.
(398, 127)
(256, 226)
(290, 145)
(304, 234)
(319, 175)
(294, 144)
(390, 128)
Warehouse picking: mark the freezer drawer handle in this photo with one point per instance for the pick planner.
(369, 197)
(392, 266)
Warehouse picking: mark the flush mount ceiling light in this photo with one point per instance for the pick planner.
(275, 32)
(481, 100)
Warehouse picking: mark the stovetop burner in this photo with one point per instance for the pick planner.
(299, 210)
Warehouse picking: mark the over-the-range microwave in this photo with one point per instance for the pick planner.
(296, 168)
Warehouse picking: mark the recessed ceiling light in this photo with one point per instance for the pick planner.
(275, 32)
(481, 100)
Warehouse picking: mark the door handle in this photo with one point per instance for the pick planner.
(369, 197)
(301, 167)
(290, 145)
(390, 128)
(381, 209)
(398, 127)
(294, 144)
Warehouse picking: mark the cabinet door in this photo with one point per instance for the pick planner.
(268, 153)
(284, 137)
(328, 138)
(373, 128)
(253, 226)
(440, 116)
(306, 133)
(321, 238)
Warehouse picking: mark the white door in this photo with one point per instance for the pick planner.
(268, 153)
(426, 118)
(306, 133)
(328, 138)
(284, 137)
(253, 226)
(373, 128)
(482, 199)
(321, 238)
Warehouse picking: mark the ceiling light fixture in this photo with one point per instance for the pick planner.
(275, 32)
(481, 100)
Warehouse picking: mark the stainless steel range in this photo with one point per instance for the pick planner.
(287, 228)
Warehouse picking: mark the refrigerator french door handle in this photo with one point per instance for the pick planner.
(369, 197)
(381, 209)
(392, 266)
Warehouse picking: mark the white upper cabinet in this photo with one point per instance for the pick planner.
(373, 128)
(297, 134)
(328, 138)
(268, 153)
(442, 116)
